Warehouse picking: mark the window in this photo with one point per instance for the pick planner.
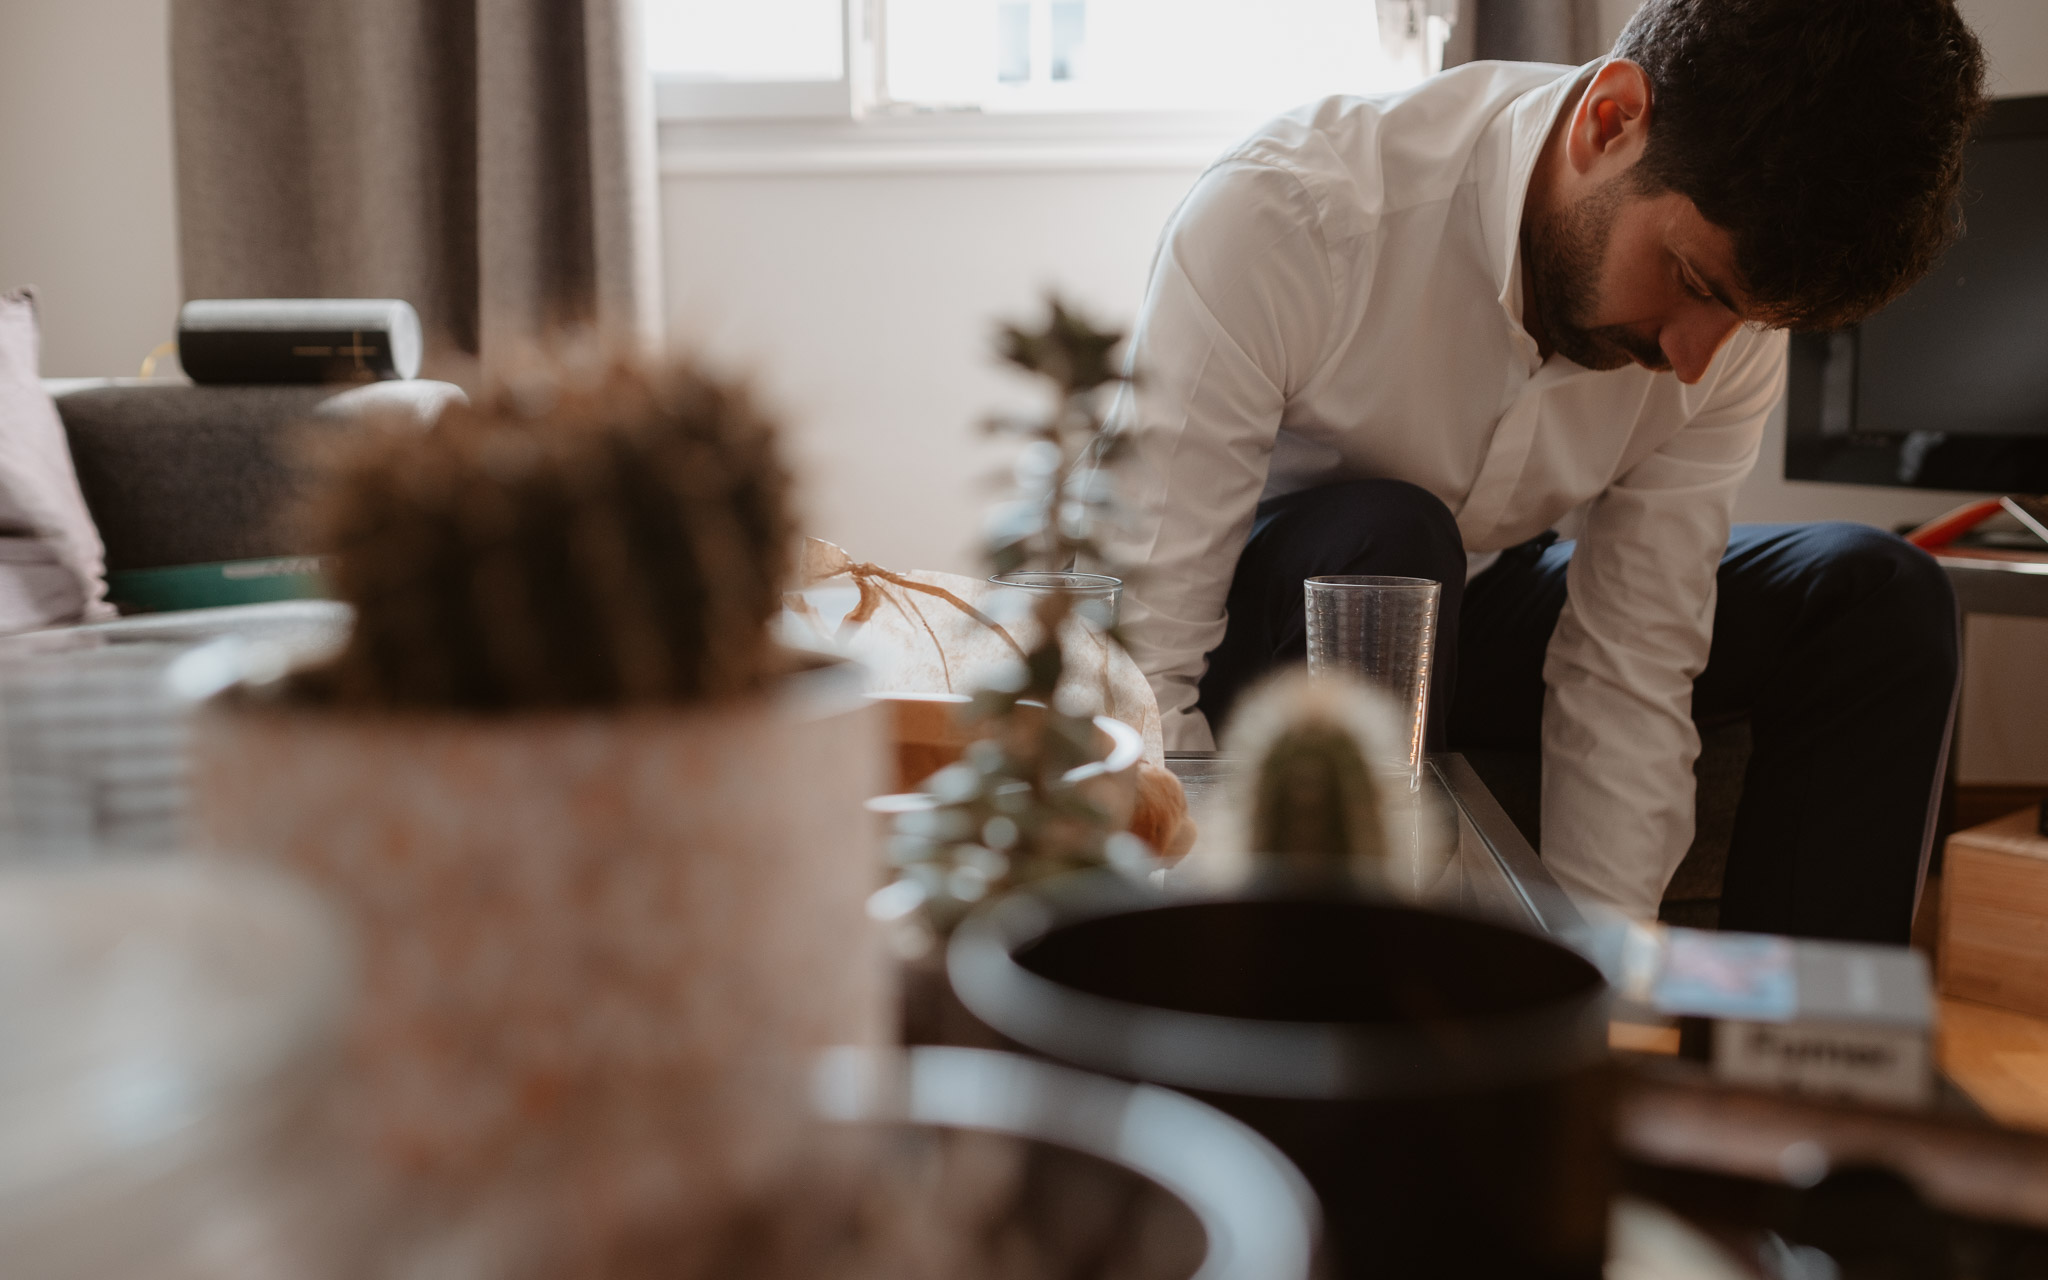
(849, 57)
(751, 58)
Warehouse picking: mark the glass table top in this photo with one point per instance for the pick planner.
(1474, 856)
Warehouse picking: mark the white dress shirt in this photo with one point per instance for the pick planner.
(1340, 298)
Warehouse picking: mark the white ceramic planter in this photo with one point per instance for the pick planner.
(599, 944)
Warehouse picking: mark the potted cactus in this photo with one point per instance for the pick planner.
(600, 839)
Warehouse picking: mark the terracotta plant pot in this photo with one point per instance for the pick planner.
(928, 735)
(931, 1013)
(927, 732)
(593, 943)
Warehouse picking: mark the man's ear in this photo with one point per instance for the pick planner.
(1612, 121)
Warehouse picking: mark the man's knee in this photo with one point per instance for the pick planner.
(1384, 527)
(1905, 597)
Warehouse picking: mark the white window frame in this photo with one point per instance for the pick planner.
(849, 125)
(851, 95)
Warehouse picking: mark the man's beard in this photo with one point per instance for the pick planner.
(1563, 252)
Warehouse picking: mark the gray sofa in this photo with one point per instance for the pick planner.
(183, 475)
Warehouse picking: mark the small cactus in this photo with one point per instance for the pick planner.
(597, 536)
(1309, 789)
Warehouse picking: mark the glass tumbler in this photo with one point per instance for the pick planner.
(1092, 596)
(1383, 631)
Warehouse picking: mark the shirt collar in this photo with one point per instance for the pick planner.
(1519, 135)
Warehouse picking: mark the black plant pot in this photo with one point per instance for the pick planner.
(1443, 1081)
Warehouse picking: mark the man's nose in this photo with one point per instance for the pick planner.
(1690, 341)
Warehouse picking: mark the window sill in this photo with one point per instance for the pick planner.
(951, 142)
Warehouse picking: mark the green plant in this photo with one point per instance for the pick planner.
(589, 536)
(1008, 813)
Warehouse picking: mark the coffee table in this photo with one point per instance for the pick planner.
(1492, 867)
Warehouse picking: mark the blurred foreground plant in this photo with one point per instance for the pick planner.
(1010, 812)
(595, 535)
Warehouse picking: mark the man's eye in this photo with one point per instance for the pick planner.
(1698, 293)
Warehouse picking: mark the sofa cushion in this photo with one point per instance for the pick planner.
(187, 475)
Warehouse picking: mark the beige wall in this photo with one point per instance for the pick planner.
(85, 177)
(867, 305)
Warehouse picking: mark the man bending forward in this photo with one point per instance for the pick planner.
(1412, 333)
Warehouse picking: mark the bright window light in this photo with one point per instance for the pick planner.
(1120, 55)
(1057, 55)
(746, 40)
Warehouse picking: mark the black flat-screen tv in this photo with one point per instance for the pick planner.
(1946, 388)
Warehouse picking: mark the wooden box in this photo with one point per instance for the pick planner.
(1994, 914)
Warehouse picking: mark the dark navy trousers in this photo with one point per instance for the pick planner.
(1838, 641)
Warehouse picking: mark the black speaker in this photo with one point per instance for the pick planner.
(298, 340)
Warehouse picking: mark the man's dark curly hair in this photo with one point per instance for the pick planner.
(1825, 136)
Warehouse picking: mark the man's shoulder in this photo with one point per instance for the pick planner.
(1385, 149)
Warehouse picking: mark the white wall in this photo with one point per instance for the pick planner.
(867, 305)
(85, 177)
(2015, 35)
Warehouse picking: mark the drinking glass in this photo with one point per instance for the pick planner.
(1093, 596)
(1383, 631)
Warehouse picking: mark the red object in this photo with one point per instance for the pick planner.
(1944, 529)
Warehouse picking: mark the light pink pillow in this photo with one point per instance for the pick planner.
(52, 564)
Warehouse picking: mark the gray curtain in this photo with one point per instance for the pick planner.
(490, 161)
(1566, 31)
